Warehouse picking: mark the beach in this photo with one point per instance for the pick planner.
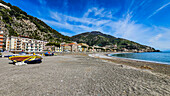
(139, 64)
(84, 75)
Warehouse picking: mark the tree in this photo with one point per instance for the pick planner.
(90, 48)
(84, 46)
(53, 44)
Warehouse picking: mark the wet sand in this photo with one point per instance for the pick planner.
(151, 66)
(80, 75)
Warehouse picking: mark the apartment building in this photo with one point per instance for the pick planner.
(53, 49)
(71, 47)
(1, 40)
(18, 44)
(66, 47)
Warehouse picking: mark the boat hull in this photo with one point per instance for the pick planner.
(26, 59)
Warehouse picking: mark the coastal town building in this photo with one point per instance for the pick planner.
(1, 40)
(79, 48)
(58, 49)
(112, 48)
(71, 47)
(96, 48)
(66, 47)
(84, 47)
(18, 44)
(53, 49)
(74, 47)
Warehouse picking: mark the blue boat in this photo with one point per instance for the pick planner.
(49, 54)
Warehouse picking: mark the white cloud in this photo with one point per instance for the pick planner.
(161, 40)
(159, 9)
(99, 12)
(43, 2)
(78, 24)
(56, 16)
(155, 38)
(124, 27)
(130, 30)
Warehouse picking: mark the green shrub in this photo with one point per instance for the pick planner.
(53, 44)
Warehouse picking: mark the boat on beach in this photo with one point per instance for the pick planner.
(49, 54)
(26, 59)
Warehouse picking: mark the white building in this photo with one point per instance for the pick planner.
(18, 44)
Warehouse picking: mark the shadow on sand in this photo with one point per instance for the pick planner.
(13, 63)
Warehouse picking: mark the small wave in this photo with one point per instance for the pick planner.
(145, 57)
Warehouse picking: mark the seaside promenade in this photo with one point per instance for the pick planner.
(80, 75)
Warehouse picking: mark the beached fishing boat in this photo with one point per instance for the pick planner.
(49, 54)
(26, 59)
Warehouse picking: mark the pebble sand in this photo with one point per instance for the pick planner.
(79, 75)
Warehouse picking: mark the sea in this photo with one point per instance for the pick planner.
(157, 57)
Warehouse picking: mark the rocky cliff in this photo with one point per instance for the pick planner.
(15, 22)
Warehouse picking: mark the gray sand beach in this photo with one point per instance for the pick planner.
(80, 75)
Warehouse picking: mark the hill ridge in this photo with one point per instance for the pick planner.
(97, 38)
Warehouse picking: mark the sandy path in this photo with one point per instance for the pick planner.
(77, 75)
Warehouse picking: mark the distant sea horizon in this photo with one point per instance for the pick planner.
(162, 57)
(166, 51)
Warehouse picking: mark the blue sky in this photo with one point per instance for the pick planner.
(144, 21)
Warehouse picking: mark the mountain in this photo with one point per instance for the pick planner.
(100, 39)
(16, 22)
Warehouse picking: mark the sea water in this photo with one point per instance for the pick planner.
(159, 57)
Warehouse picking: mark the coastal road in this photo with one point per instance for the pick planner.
(79, 75)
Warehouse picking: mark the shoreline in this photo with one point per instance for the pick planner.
(138, 59)
(154, 67)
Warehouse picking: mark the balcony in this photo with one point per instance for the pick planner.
(18, 43)
(18, 48)
(1, 43)
(2, 37)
